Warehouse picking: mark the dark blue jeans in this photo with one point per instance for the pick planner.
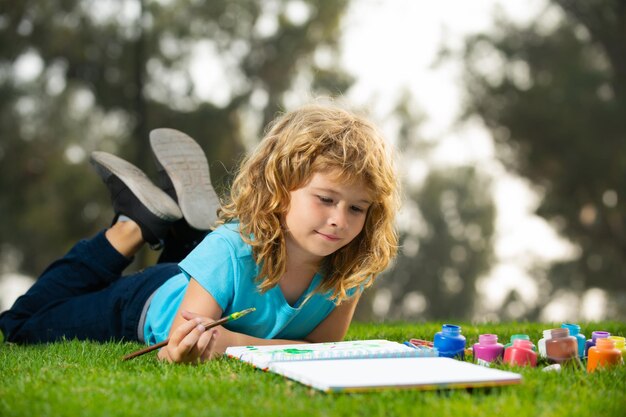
(84, 296)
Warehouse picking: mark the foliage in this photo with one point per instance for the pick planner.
(81, 75)
(81, 378)
(554, 96)
(446, 235)
(445, 247)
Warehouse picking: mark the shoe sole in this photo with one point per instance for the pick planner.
(152, 197)
(186, 165)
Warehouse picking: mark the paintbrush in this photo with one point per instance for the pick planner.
(233, 316)
(420, 342)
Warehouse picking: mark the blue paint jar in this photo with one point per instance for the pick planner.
(450, 342)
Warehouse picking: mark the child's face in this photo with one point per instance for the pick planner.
(325, 215)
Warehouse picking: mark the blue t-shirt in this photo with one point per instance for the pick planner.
(224, 266)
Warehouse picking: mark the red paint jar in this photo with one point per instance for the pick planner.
(521, 353)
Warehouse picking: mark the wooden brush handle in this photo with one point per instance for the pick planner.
(166, 341)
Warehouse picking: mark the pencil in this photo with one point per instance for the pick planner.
(233, 316)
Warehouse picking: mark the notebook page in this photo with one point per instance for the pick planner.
(372, 374)
(262, 356)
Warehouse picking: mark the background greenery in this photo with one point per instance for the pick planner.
(556, 111)
(80, 378)
(107, 72)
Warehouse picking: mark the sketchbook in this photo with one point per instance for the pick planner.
(369, 365)
(382, 373)
(262, 356)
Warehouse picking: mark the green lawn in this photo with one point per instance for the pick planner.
(79, 378)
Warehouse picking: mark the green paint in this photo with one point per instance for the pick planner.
(297, 351)
(242, 313)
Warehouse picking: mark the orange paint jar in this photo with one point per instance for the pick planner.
(603, 355)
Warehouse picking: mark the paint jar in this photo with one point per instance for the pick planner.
(487, 349)
(521, 337)
(574, 330)
(450, 342)
(603, 355)
(620, 344)
(521, 353)
(558, 345)
(599, 334)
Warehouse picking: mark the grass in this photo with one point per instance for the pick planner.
(76, 378)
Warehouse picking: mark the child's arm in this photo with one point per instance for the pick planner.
(332, 329)
(190, 343)
(187, 340)
(335, 326)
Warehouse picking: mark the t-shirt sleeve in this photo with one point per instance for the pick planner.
(213, 264)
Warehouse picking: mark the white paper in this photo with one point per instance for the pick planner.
(263, 356)
(370, 374)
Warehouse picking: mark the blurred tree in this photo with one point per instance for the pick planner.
(554, 96)
(441, 259)
(80, 75)
(446, 233)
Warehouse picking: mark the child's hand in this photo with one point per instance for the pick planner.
(190, 343)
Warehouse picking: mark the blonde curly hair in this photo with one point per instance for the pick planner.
(316, 138)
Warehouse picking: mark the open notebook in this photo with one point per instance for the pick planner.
(263, 356)
(369, 365)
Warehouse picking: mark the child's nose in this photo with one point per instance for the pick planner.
(339, 218)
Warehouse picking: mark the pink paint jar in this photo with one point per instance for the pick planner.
(487, 349)
(521, 353)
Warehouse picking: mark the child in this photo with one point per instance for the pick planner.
(308, 226)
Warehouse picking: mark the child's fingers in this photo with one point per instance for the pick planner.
(206, 343)
(190, 341)
(189, 315)
(182, 345)
(202, 350)
(183, 330)
(194, 354)
(207, 350)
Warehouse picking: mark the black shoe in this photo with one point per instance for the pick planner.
(180, 240)
(184, 175)
(136, 197)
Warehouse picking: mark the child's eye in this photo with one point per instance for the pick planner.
(325, 200)
(357, 209)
